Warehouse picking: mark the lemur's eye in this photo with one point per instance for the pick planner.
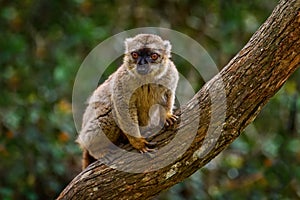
(154, 56)
(134, 55)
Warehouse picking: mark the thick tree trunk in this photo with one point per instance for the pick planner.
(251, 78)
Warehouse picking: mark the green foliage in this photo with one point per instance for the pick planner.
(42, 46)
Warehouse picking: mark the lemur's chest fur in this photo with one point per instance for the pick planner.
(149, 98)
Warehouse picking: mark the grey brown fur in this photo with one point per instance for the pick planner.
(139, 95)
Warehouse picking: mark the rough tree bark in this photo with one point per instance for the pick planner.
(250, 79)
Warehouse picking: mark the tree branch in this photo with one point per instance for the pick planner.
(250, 79)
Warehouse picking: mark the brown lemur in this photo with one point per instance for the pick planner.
(141, 91)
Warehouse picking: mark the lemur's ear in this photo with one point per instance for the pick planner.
(126, 43)
(168, 47)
